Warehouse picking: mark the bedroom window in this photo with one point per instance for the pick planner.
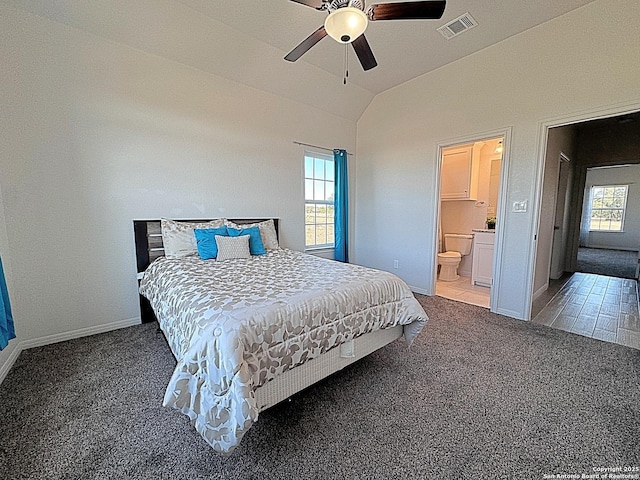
(319, 194)
(608, 204)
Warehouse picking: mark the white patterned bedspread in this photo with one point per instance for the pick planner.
(237, 324)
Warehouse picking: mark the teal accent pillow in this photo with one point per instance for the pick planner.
(206, 241)
(256, 247)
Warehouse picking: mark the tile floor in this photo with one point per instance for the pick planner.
(555, 285)
(462, 291)
(605, 308)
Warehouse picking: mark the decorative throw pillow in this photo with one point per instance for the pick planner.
(233, 247)
(206, 241)
(267, 232)
(256, 247)
(178, 238)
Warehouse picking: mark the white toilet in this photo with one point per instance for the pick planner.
(456, 245)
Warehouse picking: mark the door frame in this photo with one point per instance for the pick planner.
(543, 132)
(504, 133)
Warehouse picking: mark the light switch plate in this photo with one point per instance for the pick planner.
(520, 207)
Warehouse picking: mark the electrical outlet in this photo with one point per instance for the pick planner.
(395, 264)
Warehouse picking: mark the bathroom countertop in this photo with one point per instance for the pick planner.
(484, 230)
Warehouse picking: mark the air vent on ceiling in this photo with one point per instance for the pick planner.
(457, 26)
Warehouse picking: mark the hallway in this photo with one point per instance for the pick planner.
(596, 306)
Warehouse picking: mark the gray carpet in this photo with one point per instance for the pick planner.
(612, 263)
(478, 396)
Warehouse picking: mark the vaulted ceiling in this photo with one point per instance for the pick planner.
(246, 40)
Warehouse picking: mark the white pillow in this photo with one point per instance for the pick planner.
(267, 232)
(232, 247)
(178, 237)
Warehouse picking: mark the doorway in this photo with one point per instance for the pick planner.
(470, 178)
(596, 152)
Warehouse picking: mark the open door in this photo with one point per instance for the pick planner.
(561, 222)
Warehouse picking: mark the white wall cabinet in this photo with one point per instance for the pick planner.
(459, 180)
(482, 266)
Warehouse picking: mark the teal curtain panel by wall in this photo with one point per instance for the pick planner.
(7, 331)
(341, 206)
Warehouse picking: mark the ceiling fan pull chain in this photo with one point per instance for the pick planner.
(346, 63)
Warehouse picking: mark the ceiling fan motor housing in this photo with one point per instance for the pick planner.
(336, 4)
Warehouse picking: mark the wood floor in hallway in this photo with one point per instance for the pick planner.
(596, 306)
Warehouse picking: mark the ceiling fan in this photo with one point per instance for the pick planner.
(348, 20)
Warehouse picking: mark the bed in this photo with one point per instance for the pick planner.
(248, 333)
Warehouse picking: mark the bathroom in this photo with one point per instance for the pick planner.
(469, 192)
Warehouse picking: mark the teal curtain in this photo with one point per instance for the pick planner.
(341, 206)
(7, 331)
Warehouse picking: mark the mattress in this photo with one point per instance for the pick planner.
(235, 325)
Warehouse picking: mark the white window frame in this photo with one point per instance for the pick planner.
(623, 209)
(329, 223)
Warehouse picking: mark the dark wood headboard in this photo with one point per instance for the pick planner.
(148, 238)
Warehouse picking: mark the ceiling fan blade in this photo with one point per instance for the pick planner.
(429, 10)
(364, 53)
(317, 4)
(306, 44)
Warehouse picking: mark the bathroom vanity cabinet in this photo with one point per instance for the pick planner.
(482, 265)
(459, 180)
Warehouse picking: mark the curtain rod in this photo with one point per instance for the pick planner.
(316, 146)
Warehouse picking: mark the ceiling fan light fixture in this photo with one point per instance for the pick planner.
(346, 24)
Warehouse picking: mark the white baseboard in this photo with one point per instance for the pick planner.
(541, 290)
(605, 247)
(11, 359)
(509, 313)
(61, 337)
(82, 332)
(421, 291)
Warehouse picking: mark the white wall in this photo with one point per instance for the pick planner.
(629, 239)
(96, 134)
(583, 61)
